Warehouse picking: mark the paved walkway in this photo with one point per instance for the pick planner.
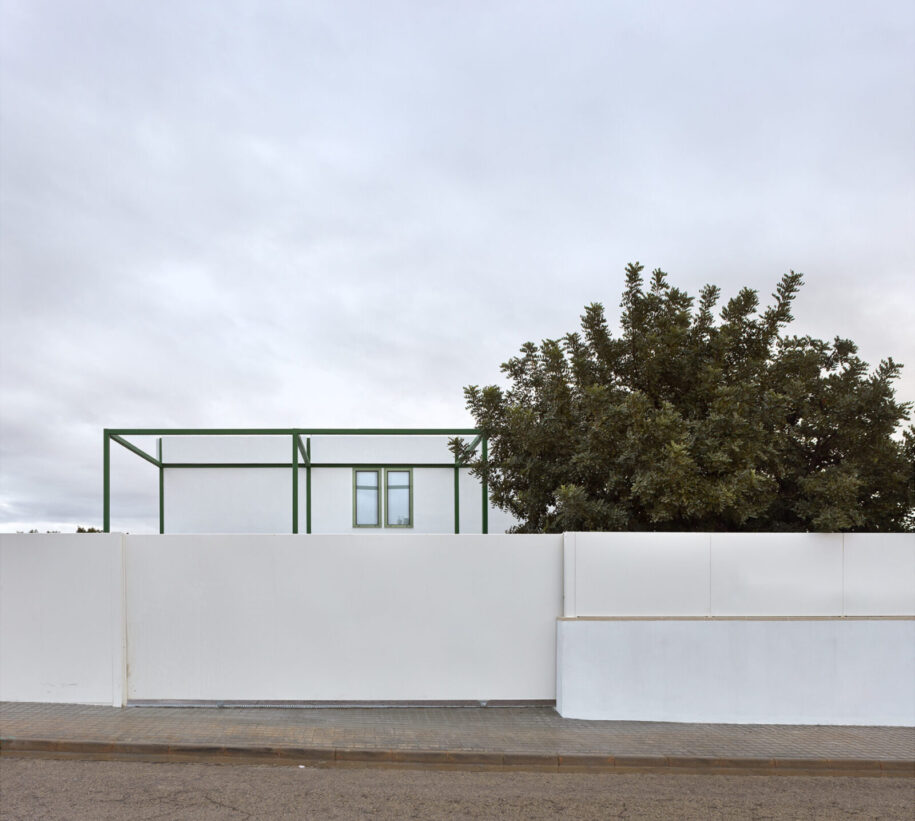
(499, 737)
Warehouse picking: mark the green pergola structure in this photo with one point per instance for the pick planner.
(300, 449)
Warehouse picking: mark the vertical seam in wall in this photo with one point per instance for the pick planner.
(575, 573)
(844, 611)
(708, 612)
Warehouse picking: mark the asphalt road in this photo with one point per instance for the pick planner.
(99, 790)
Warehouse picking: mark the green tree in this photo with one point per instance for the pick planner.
(688, 422)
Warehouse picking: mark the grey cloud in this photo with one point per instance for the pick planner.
(342, 213)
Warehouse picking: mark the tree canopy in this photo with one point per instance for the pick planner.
(691, 422)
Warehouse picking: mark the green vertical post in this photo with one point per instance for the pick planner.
(485, 488)
(308, 486)
(161, 488)
(457, 496)
(295, 485)
(106, 482)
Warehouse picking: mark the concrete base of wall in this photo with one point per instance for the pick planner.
(738, 671)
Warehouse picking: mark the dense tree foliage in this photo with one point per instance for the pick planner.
(688, 422)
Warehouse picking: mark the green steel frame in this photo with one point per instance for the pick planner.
(301, 457)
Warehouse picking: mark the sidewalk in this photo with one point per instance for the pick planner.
(465, 737)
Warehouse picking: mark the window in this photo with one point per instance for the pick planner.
(366, 507)
(398, 501)
(394, 509)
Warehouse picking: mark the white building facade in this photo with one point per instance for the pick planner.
(315, 481)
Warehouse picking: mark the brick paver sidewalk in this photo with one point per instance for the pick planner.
(469, 736)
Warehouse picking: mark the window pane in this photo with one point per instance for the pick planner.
(367, 506)
(398, 478)
(366, 478)
(399, 506)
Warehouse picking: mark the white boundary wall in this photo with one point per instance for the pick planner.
(738, 628)
(62, 618)
(738, 671)
(329, 618)
(738, 574)
(680, 627)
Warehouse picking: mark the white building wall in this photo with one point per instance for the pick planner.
(62, 618)
(226, 500)
(259, 500)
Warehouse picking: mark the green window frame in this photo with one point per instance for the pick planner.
(362, 488)
(389, 485)
(380, 490)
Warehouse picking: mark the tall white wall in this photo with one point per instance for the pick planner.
(403, 617)
(741, 628)
(61, 618)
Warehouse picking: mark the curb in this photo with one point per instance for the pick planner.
(452, 759)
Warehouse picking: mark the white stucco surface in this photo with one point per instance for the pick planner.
(374, 449)
(776, 574)
(226, 500)
(259, 500)
(61, 618)
(814, 671)
(638, 574)
(879, 574)
(738, 574)
(403, 617)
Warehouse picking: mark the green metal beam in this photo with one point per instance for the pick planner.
(295, 484)
(457, 496)
(383, 465)
(471, 449)
(227, 465)
(308, 465)
(106, 482)
(302, 451)
(131, 447)
(308, 485)
(292, 431)
(161, 488)
(485, 484)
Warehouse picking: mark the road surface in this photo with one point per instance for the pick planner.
(99, 790)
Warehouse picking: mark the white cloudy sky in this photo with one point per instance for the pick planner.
(339, 214)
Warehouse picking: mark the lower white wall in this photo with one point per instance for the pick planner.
(741, 671)
(400, 618)
(61, 618)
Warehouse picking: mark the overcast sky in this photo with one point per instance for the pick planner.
(339, 214)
